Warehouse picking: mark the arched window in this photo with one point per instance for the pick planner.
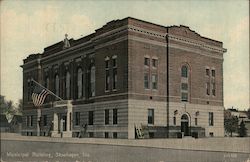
(57, 85)
(184, 71)
(92, 80)
(29, 89)
(67, 85)
(185, 83)
(79, 83)
(47, 82)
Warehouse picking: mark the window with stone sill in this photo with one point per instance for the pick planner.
(154, 81)
(146, 61)
(79, 83)
(154, 63)
(207, 72)
(150, 116)
(146, 81)
(77, 118)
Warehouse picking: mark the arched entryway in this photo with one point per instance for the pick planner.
(185, 125)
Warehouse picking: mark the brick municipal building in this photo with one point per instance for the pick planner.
(129, 79)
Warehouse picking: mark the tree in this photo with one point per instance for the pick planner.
(19, 109)
(248, 113)
(8, 108)
(242, 129)
(231, 124)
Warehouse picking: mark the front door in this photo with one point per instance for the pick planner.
(64, 117)
(185, 125)
(62, 122)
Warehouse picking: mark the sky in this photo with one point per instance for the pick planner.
(28, 26)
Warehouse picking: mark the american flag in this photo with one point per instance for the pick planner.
(39, 94)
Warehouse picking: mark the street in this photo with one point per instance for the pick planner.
(25, 151)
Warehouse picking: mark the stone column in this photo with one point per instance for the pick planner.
(38, 121)
(68, 132)
(69, 116)
(55, 125)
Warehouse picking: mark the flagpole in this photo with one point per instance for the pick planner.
(47, 89)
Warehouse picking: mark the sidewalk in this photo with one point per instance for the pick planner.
(237, 145)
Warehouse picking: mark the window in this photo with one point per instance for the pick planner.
(67, 85)
(154, 63)
(79, 83)
(174, 120)
(57, 84)
(150, 116)
(91, 117)
(208, 88)
(77, 118)
(211, 134)
(107, 116)
(114, 62)
(184, 86)
(207, 72)
(47, 82)
(154, 81)
(195, 121)
(29, 121)
(114, 134)
(114, 116)
(91, 134)
(213, 89)
(107, 80)
(184, 71)
(106, 134)
(29, 88)
(114, 78)
(45, 120)
(211, 119)
(213, 73)
(146, 81)
(107, 63)
(92, 81)
(184, 96)
(146, 61)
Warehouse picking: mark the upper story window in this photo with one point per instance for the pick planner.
(114, 60)
(207, 72)
(146, 61)
(146, 81)
(211, 119)
(92, 80)
(154, 62)
(213, 89)
(184, 84)
(208, 88)
(213, 73)
(184, 71)
(107, 63)
(154, 81)
(79, 83)
(67, 85)
(57, 84)
(114, 79)
(29, 89)
(47, 82)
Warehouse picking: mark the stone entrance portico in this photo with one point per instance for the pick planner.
(62, 119)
